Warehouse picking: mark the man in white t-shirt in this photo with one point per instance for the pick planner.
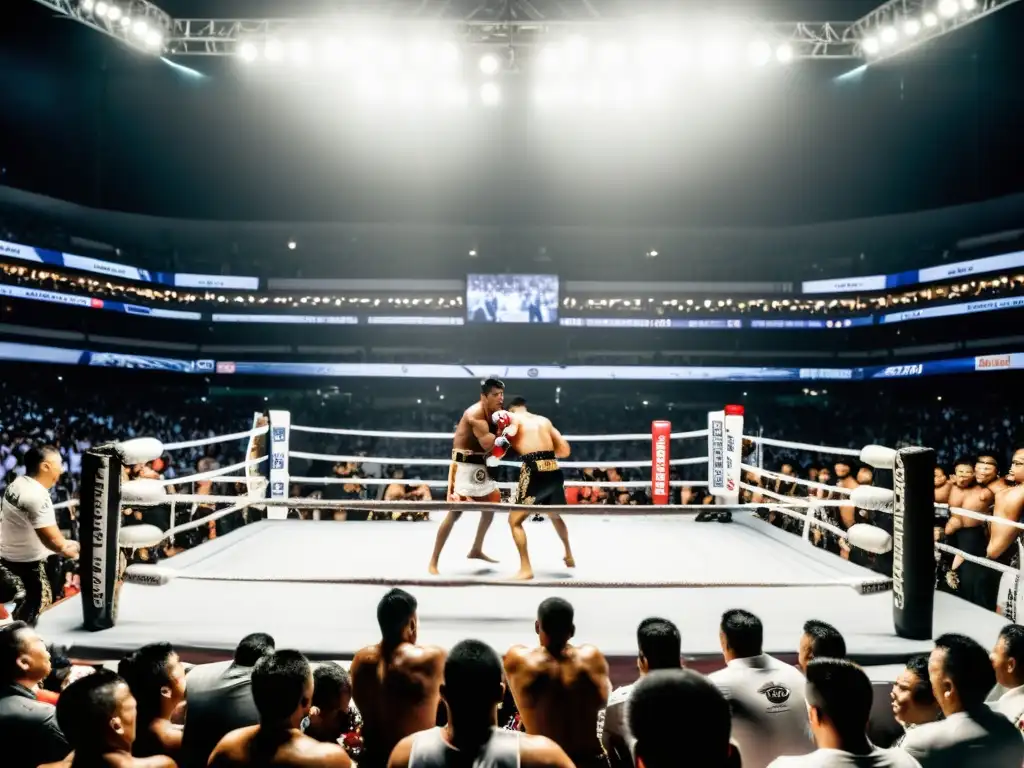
(1008, 663)
(766, 696)
(29, 534)
(839, 697)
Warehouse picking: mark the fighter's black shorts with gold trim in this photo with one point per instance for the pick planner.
(541, 481)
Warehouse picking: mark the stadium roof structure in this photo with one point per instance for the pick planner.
(888, 30)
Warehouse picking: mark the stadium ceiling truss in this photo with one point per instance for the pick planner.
(893, 28)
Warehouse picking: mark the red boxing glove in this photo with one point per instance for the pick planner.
(502, 420)
(501, 445)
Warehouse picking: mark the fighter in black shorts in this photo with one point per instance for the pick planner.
(541, 482)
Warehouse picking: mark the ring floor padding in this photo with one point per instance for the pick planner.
(204, 620)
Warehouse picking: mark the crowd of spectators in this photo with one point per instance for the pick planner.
(405, 703)
(453, 303)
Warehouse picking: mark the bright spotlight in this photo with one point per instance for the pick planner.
(760, 53)
(948, 8)
(454, 95)
(449, 56)
(101, 9)
(247, 52)
(576, 52)
(154, 39)
(784, 53)
(299, 51)
(611, 55)
(292, 245)
(550, 58)
(890, 35)
(140, 28)
(87, 6)
(968, 5)
(273, 50)
(114, 13)
(489, 64)
(911, 27)
(870, 45)
(490, 94)
(331, 52)
(126, 22)
(930, 19)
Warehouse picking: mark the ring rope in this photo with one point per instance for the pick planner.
(595, 510)
(67, 504)
(213, 473)
(446, 462)
(789, 499)
(982, 516)
(377, 481)
(790, 479)
(450, 435)
(217, 439)
(803, 446)
(979, 560)
(809, 518)
(865, 586)
(206, 520)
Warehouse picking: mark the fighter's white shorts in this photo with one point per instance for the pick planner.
(473, 480)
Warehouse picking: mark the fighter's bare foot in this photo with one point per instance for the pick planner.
(570, 561)
(475, 555)
(432, 570)
(522, 575)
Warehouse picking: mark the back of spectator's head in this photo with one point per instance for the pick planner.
(97, 712)
(155, 675)
(961, 673)
(678, 717)
(1008, 656)
(396, 616)
(555, 621)
(473, 682)
(36, 456)
(282, 688)
(252, 648)
(332, 695)
(23, 654)
(839, 697)
(820, 640)
(660, 645)
(742, 634)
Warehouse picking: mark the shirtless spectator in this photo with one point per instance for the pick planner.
(1003, 539)
(967, 533)
(331, 714)
(404, 491)
(844, 479)
(943, 485)
(865, 476)
(396, 684)
(282, 688)
(986, 473)
(472, 692)
(559, 688)
(97, 715)
(156, 677)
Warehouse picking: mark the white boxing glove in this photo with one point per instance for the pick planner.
(501, 446)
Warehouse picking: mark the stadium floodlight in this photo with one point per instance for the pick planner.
(759, 52)
(299, 50)
(273, 50)
(930, 19)
(911, 27)
(489, 64)
(114, 13)
(490, 94)
(154, 39)
(949, 8)
(87, 6)
(576, 52)
(101, 9)
(784, 53)
(968, 5)
(140, 28)
(889, 35)
(126, 22)
(871, 45)
(247, 51)
(611, 56)
(550, 58)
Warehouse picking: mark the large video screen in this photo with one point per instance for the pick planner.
(512, 298)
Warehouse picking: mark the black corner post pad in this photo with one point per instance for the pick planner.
(913, 569)
(100, 526)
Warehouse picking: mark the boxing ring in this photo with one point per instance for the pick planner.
(314, 585)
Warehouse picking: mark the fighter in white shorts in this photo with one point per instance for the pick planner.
(469, 476)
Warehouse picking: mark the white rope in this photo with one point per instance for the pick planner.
(216, 439)
(982, 516)
(450, 435)
(790, 499)
(213, 473)
(864, 586)
(430, 506)
(447, 462)
(791, 479)
(375, 481)
(211, 518)
(979, 560)
(812, 519)
(67, 504)
(803, 446)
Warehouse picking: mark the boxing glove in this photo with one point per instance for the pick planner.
(501, 420)
(501, 445)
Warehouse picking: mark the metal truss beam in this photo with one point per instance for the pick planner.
(891, 18)
(140, 24)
